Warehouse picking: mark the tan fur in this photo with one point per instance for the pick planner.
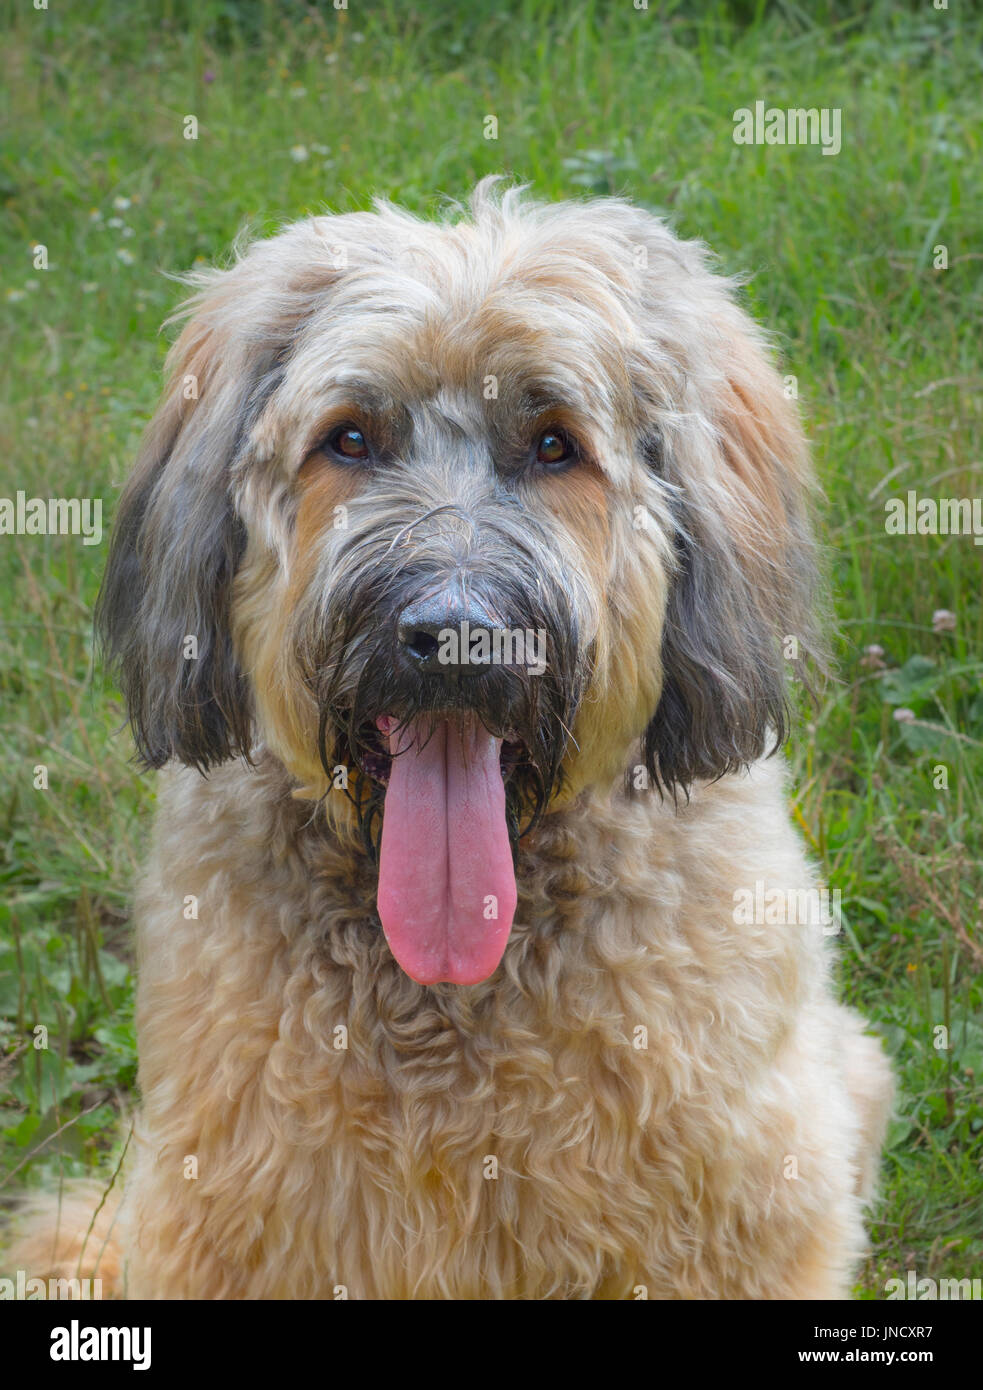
(645, 1098)
(72, 1238)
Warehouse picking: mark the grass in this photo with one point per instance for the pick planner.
(298, 109)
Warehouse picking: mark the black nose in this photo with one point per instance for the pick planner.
(437, 633)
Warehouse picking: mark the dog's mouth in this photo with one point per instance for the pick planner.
(375, 759)
(447, 891)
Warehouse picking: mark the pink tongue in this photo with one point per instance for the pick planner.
(446, 884)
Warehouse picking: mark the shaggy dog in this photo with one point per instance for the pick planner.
(457, 587)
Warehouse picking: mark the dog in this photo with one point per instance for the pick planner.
(456, 592)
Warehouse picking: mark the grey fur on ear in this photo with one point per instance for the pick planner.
(174, 551)
(724, 700)
(746, 575)
(168, 579)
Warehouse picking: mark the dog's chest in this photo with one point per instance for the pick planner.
(537, 1134)
(473, 1165)
(468, 1141)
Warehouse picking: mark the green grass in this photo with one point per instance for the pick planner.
(391, 99)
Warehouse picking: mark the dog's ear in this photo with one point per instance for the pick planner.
(163, 610)
(739, 620)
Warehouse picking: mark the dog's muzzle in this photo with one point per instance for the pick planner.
(447, 891)
(453, 687)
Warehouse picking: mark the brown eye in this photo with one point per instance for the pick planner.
(554, 447)
(348, 442)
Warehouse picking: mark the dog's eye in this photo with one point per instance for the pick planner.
(554, 448)
(347, 441)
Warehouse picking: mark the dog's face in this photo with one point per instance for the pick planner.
(456, 514)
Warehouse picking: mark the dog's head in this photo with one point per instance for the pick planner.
(450, 516)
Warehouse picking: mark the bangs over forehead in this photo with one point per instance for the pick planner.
(527, 310)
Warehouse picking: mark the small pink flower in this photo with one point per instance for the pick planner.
(208, 75)
(904, 716)
(943, 620)
(873, 658)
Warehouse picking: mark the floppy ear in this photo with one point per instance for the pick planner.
(178, 538)
(176, 543)
(739, 620)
